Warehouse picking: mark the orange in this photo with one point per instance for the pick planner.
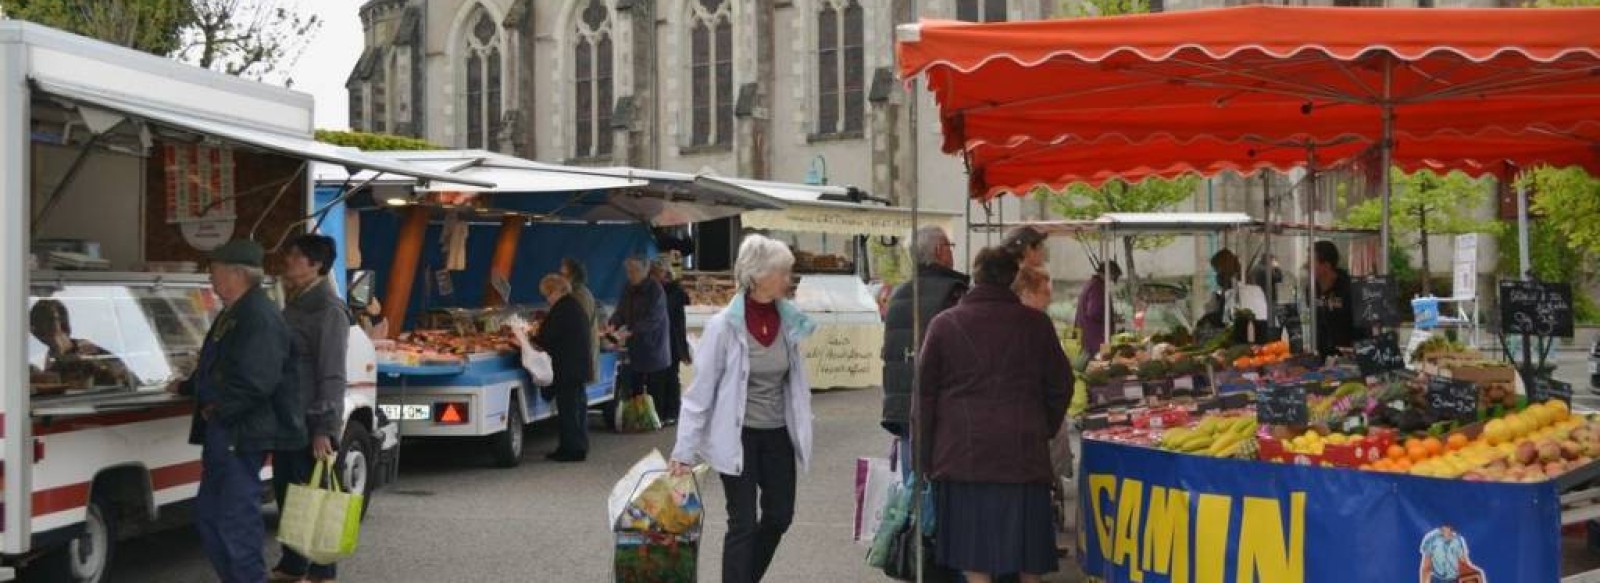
(1433, 445)
(1402, 466)
(1417, 454)
(1413, 443)
(1396, 452)
(1457, 441)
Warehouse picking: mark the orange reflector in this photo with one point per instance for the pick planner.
(450, 413)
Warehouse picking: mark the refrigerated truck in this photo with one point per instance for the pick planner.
(82, 466)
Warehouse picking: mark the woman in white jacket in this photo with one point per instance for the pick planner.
(748, 411)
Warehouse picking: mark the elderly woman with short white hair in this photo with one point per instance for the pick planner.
(748, 411)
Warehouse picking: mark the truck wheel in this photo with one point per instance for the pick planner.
(87, 557)
(508, 443)
(608, 414)
(356, 463)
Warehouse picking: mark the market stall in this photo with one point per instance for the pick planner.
(1214, 89)
(831, 286)
(461, 261)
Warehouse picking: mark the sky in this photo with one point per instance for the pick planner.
(321, 71)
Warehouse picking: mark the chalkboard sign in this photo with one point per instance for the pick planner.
(1537, 308)
(1379, 354)
(1550, 390)
(1453, 399)
(1374, 299)
(1288, 318)
(1282, 405)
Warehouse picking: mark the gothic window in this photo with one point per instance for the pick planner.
(981, 10)
(357, 107)
(483, 68)
(593, 77)
(841, 67)
(380, 99)
(711, 71)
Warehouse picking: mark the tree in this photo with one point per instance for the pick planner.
(254, 39)
(1081, 201)
(152, 26)
(1426, 204)
(1569, 199)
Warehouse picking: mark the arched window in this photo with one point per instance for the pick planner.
(981, 10)
(711, 71)
(841, 67)
(592, 73)
(483, 69)
(380, 96)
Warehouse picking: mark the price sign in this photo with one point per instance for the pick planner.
(1550, 390)
(1453, 399)
(1282, 405)
(1288, 317)
(1536, 308)
(1374, 299)
(1380, 354)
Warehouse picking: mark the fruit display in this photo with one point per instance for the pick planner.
(1214, 436)
(1536, 444)
(1125, 434)
(1332, 449)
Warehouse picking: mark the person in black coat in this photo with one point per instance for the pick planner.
(668, 388)
(567, 336)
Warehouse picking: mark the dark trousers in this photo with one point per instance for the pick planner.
(572, 418)
(767, 484)
(227, 510)
(665, 389)
(294, 467)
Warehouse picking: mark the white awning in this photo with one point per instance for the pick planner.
(508, 174)
(827, 210)
(286, 144)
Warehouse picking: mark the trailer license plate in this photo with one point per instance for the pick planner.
(408, 412)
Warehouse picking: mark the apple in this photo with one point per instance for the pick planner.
(1474, 477)
(1554, 469)
(1526, 453)
(1549, 451)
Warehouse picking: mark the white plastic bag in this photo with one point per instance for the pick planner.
(536, 361)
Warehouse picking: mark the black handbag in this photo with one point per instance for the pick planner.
(902, 563)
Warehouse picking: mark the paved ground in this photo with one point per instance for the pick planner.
(452, 518)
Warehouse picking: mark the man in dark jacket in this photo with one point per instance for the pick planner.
(1336, 327)
(642, 309)
(667, 388)
(320, 325)
(578, 276)
(567, 335)
(246, 404)
(941, 287)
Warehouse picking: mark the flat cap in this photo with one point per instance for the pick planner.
(239, 252)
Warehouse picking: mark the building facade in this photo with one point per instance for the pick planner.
(785, 90)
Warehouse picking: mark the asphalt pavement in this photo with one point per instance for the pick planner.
(452, 518)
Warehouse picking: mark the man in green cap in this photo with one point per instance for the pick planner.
(245, 406)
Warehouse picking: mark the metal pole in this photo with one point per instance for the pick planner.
(1386, 153)
(1266, 251)
(15, 178)
(1105, 284)
(1311, 245)
(1525, 265)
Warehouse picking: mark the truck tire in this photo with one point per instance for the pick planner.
(508, 443)
(87, 557)
(357, 464)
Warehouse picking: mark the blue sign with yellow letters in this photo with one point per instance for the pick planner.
(1150, 516)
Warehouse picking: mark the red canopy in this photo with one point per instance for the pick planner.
(1017, 170)
(1227, 78)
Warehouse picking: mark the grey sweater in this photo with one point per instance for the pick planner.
(320, 328)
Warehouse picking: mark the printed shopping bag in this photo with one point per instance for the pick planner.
(896, 515)
(638, 415)
(537, 362)
(874, 479)
(320, 523)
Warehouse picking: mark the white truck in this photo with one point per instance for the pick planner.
(93, 138)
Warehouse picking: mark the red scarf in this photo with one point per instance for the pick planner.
(762, 320)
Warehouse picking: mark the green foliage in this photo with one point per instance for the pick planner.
(152, 26)
(1084, 202)
(1082, 8)
(1427, 204)
(373, 142)
(1569, 199)
(1553, 259)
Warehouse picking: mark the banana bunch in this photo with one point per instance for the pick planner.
(1212, 437)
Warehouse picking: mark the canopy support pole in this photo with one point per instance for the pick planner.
(1105, 284)
(1313, 294)
(505, 257)
(16, 177)
(1385, 160)
(403, 272)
